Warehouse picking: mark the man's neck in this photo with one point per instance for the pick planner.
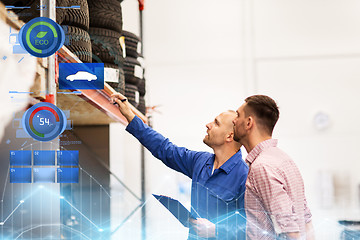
(222, 154)
(254, 141)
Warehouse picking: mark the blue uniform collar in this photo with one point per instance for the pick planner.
(229, 164)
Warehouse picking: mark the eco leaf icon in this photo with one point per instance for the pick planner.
(41, 34)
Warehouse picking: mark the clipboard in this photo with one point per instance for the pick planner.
(176, 209)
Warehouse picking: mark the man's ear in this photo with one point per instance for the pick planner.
(230, 137)
(250, 122)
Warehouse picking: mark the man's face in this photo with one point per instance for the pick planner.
(219, 129)
(240, 124)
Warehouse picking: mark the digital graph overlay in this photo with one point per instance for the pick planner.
(76, 217)
(43, 167)
(96, 225)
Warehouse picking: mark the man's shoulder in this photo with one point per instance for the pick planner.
(202, 155)
(273, 158)
(200, 158)
(242, 164)
(274, 153)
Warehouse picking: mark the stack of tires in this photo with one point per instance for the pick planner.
(134, 72)
(93, 33)
(74, 21)
(76, 26)
(105, 32)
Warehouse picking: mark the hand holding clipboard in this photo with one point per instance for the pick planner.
(176, 209)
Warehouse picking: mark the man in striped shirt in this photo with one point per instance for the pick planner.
(275, 201)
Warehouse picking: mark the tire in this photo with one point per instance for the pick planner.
(78, 41)
(114, 85)
(105, 14)
(121, 81)
(106, 45)
(133, 71)
(120, 85)
(60, 12)
(27, 14)
(142, 106)
(132, 44)
(131, 37)
(132, 94)
(131, 51)
(109, 65)
(77, 17)
(142, 87)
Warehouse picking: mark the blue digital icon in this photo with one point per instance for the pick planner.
(20, 175)
(20, 158)
(14, 40)
(81, 76)
(41, 37)
(44, 121)
(44, 175)
(67, 175)
(68, 158)
(23, 173)
(44, 158)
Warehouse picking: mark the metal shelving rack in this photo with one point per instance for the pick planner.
(143, 176)
(97, 99)
(100, 99)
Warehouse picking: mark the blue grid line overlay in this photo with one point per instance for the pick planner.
(44, 175)
(44, 166)
(20, 175)
(44, 158)
(68, 175)
(68, 158)
(20, 158)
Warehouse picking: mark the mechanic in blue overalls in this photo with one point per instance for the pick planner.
(218, 179)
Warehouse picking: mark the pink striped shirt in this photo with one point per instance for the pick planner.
(275, 200)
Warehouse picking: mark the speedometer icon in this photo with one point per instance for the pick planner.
(44, 121)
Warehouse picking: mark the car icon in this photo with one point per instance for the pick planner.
(82, 75)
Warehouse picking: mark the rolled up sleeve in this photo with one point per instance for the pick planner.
(307, 215)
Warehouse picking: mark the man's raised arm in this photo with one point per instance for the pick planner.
(177, 158)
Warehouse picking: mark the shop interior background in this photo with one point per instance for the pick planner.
(205, 57)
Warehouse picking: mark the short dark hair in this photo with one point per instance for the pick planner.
(265, 110)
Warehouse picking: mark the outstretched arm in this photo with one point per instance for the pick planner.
(177, 158)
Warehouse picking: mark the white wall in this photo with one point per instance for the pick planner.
(204, 57)
(307, 57)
